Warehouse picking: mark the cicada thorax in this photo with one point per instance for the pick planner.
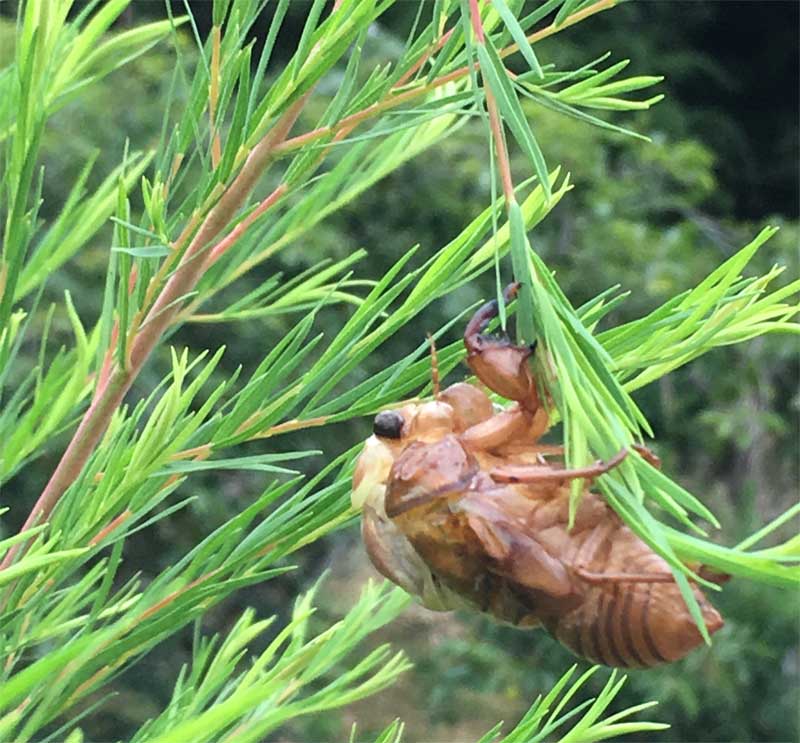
(433, 496)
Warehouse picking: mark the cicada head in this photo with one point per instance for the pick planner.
(392, 432)
(455, 409)
(422, 426)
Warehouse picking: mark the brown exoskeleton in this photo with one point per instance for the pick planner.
(462, 508)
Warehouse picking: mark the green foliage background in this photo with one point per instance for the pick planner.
(651, 216)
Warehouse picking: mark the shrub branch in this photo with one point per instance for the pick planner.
(158, 319)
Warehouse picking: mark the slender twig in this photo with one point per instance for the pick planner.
(108, 360)
(405, 96)
(111, 526)
(495, 123)
(230, 239)
(203, 451)
(346, 125)
(248, 263)
(423, 58)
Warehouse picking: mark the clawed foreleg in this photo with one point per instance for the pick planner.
(473, 333)
(498, 363)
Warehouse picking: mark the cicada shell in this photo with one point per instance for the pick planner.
(464, 507)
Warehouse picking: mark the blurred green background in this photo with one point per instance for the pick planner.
(653, 218)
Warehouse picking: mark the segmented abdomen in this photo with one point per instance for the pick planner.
(631, 624)
(612, 627)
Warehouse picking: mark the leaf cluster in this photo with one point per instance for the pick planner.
(72, 622)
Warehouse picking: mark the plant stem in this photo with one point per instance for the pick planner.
(495, 124)
(423, 58)
(230, 239)
(349, 123)
(191, 266)
(111, 392)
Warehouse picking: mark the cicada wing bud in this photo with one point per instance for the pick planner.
(425, 473)
(392, 554)
(394, 557)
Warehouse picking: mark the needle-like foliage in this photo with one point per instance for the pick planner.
(249, 161)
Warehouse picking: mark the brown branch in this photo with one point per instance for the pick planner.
(110, 394)
(259, 257)
(230, 239)
(108, 360)
(495, 122)
(292, 425)
(203, 451)
(110, 526)
(424, 57)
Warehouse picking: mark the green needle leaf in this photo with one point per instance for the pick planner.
(497, 78)
(511, 23)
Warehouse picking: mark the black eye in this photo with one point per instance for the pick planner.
(388, 424)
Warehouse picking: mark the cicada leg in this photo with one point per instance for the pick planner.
(512, 552)
(484, 315)
(502, 428)
(498, 363)
(598, 578)
(536, 473)
(648, 455)
(592, 577)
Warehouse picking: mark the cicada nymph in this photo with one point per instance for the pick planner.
(464, 507)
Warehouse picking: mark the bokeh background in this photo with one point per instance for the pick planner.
(653, 218)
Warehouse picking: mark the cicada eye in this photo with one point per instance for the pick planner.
(388, 424)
